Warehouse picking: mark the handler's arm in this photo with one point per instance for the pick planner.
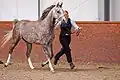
(76, 27)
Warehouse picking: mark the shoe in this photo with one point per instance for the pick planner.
(1, 62)
(55, 61)
(72, 66)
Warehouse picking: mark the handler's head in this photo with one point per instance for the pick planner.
(66, 14)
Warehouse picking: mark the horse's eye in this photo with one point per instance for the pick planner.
(58, 11)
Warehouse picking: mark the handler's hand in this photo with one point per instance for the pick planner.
(78, 32)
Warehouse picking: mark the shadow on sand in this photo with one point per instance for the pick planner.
(73, 70)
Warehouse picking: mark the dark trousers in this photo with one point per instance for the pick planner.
(65, 41)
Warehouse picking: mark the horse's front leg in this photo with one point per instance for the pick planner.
(50, 49)
(29, 48)
(49, 54)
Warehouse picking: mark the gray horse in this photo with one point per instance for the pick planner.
(39, 32)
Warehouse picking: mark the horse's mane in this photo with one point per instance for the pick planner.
(46, 11)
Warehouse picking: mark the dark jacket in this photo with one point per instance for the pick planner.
(66, 27)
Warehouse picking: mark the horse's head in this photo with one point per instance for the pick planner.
(58, 12)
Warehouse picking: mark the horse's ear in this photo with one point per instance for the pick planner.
(61, 4)
(57, 4)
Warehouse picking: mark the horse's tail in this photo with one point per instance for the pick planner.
(8, 36)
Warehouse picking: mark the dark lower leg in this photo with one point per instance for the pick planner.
(59, 54)
(68, 55)
(69, 59)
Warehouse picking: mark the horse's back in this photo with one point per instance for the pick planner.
(27, 30)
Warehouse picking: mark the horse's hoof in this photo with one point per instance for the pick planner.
(1, 62)
(42, 65)
(5, 65)
(32, 67)
(53, 71)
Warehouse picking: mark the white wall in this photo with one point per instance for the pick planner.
(45, 3)
(28, 9)
(115, 10)
(86, 10)
(101, 10)
(20, 9)
(7, 9)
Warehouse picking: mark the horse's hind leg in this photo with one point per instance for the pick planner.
(48, 53)
(14, 43)
(29, 48)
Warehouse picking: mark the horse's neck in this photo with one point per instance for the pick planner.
(49, 20)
